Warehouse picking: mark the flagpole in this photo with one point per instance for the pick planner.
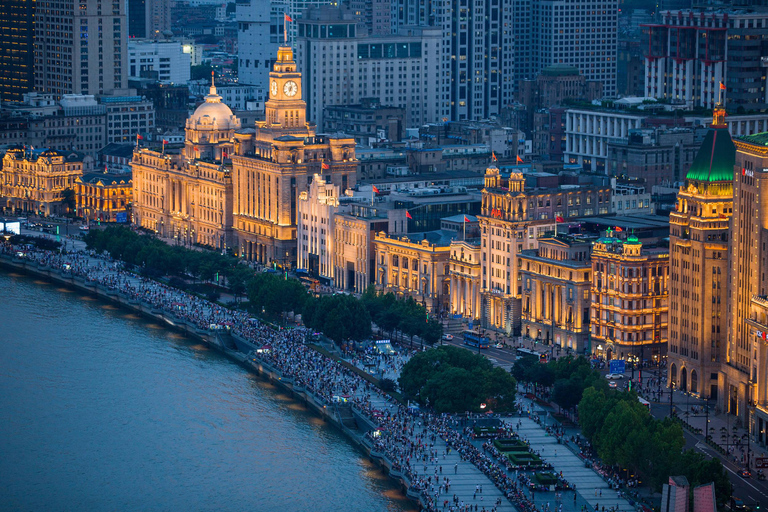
(465, 228)
(372, 194)
(285, 28)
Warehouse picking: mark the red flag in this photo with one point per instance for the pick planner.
(165, 141)
(519, 160)
(408, 214)
(376, 190)
(559, 219)
(195, 148)
(493, 156)
(618, 229)
(138, 136)
(466, 219)
(325, 166)
(287, 18)
(722, 86)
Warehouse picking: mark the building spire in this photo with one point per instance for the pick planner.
(212, 90)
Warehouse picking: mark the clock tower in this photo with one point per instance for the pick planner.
(285, 109)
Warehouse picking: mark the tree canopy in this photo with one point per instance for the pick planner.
(452, 379)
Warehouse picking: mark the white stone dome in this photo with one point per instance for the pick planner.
(213, 115)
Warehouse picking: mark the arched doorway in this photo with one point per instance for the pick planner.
(672, 374)
(683, 380)
(694, 382)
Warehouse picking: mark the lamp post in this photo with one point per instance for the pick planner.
(671, 392)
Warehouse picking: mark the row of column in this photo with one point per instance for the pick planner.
(465, 297)
(254, 251)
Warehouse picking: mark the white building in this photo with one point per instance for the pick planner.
(341, 66)
(631, 199)
(127, 115)
(255, 47)
(314, 233)
(165, 61)
(588, 132)
(236, 96)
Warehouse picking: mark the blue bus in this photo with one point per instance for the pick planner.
(473, 339)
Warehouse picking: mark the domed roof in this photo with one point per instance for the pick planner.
(213, 114)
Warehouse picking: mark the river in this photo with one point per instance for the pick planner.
(101, 409)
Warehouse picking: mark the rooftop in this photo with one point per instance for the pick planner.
(715, 159)
(758, 139)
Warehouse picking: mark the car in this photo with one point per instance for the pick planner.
(737, 505)
(612, 384)
(744, 473)
(614, 376)
(499, 345)
(447, 337)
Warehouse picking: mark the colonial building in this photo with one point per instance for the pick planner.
(556, 292)
(41, 181)
(186, 195)
(276, 161)
(757, 323)
(415, 265)
(354, 254)
(743, 375)
(512, 220)
(464, 273)
(629, 299)
(103, 197)
(317, 207)
(698, 245)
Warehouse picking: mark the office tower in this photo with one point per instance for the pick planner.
(17, 34)
(688, 54)
(742, 381)
(255, 46)
(575, 33)
(342, 66)
(149, 18)
(477, 69)
(80, 48)
(274, 163)
(698, 244)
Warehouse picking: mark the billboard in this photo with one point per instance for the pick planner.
(617, 366)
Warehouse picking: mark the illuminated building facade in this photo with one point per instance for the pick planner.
(17, 36)
(629, 299)
(464, 273)
(354, 252)
(698, 245)
(103, 197)
(742, 379)
(556, 292)
(513, 219)
(186, 195)
(276, 161)
(38, 181)
(414, 265)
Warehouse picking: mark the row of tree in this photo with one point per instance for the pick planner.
(566, 377)
(623, 433)
(404, 315)
(455, 380)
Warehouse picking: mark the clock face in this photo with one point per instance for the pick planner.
(290, 88)
(274, 88)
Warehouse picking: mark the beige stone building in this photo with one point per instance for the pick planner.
(464, 273)
(41, 181)
(414, 265)
(512, 220)
(744, 373)
(315, 227)
(103, 197)
(757, 324)
(354, 251)
(698, 245)
(556, 292)
(629, 299)
(274, 162)
(186, 195)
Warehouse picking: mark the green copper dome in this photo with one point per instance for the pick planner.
(715, 159)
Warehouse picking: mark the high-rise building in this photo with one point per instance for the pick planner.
(149, 18)
(743, 375)
(255, 46)
(689, 53)
(698, 244)
(276, 161)
(17, 36)
(580, 34)
(163, 61)
(80, 48)
(342, 66)
(477, 53)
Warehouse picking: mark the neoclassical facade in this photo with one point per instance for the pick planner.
(698, 244)
(37, 181)
(556, 292)
(275, 161)
(186, 195)
(103, 197)
(415, 267)
(630, 299)
(315, 228)
(464, 274)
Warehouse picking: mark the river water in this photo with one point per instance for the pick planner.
(103, 410)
